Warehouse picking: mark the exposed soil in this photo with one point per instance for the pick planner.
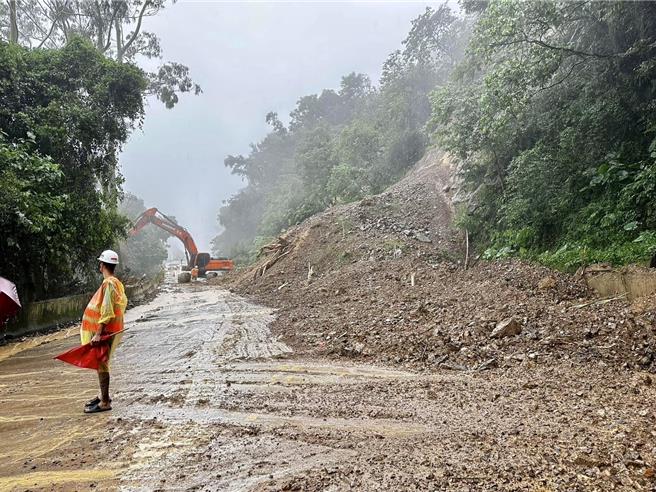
(205, 398)
(359, 380)
(360, 301)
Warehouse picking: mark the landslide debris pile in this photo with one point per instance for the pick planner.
(384, 279)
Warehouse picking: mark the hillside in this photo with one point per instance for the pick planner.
(343, 284)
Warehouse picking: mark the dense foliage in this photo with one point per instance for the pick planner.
(553, 115)
(341, 145)
(64, 115)
(116, 29)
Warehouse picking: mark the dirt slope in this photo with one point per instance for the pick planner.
(343, 282)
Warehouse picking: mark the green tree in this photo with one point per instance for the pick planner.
(116, 28)
(32, 208)
(75, 108)
(552, 115)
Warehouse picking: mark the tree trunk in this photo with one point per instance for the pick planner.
(13, 23)
(119, 40)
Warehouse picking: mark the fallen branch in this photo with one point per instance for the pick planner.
(466, 249)
(262, 270)
(600, 301)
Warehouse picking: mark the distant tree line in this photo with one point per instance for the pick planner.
(548, 107)
(343, 144)
(145, 252)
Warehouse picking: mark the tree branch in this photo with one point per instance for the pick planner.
(136, 29)
(35, 22)
(109, 31)
(565, 77)
(568, 50)
(539, 42)
(52, 29)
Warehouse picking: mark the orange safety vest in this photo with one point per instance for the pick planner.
(106, 306)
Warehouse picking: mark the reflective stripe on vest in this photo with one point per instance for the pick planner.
(91, 316)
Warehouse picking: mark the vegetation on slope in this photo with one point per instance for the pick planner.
(63, 116)
(549, 106)
(552, 113)
(341, 145)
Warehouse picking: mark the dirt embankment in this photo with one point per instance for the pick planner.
(384, 279)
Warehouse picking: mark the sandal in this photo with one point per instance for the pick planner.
(93, 402)
(96, 408)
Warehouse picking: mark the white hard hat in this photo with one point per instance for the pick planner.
(109, 256)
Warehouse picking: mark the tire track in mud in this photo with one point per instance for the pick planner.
(198, 378)
(206, 399)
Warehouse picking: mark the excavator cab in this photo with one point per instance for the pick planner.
(202, 259)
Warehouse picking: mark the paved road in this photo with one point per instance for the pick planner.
(205, 398)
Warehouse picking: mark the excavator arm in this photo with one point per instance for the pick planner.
(154, 216)
(203, 261)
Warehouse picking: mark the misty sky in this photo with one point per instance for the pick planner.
(249, 58)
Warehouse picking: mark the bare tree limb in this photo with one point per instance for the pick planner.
(34, 21)
(52, 29)
(119, 39)
(136, 29)
(13, 23)
(109, 32)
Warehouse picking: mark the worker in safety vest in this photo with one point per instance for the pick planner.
(194, 273)
(104, 316)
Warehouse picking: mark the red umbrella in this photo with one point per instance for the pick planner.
(90, 355)
(9, 302)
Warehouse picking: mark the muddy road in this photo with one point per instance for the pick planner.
(206, 398)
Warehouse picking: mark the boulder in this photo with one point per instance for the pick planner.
(184, 277)
(506, 328)
(547, 283)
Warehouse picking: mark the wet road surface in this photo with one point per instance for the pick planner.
(205, 398)
(195, 385)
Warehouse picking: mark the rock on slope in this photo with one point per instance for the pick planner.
(384, 279)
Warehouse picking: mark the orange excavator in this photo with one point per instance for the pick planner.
(206, 265)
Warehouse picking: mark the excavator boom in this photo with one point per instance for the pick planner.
(154, 216)
(194, 258)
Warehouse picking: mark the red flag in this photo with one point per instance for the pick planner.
(88, 356)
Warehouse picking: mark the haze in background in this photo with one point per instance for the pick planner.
(249, 58)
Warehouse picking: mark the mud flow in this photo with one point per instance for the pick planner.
(206, 398)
